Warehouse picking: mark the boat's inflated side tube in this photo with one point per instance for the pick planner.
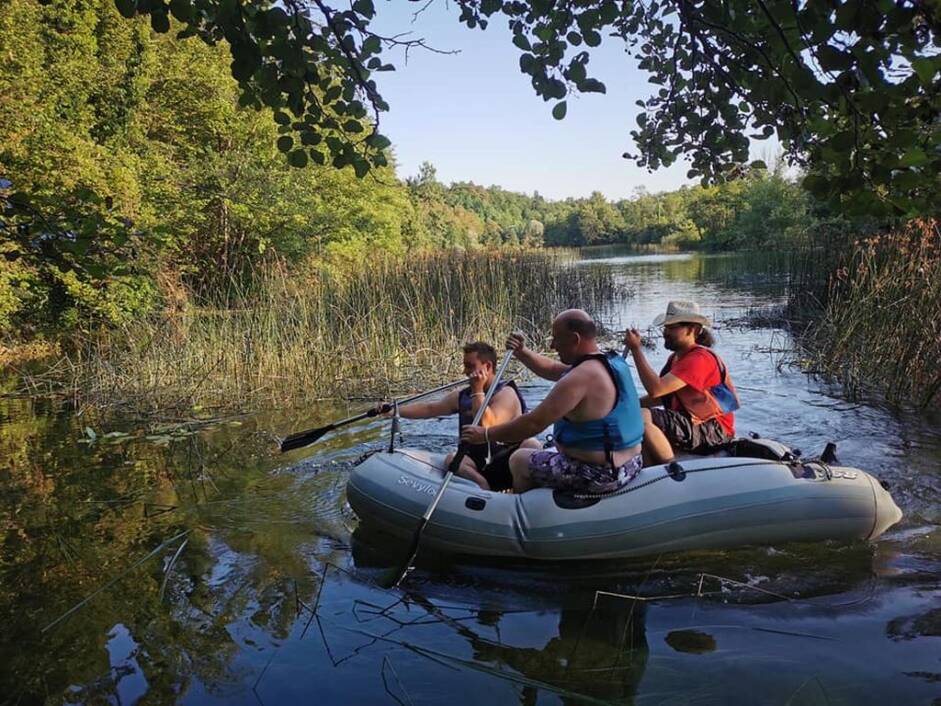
(721, 502)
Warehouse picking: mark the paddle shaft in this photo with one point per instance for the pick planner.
(455, 464)
(303, 438)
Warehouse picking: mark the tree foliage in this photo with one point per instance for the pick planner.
(124, 154)
(130, 167)
(759, 209)
(849, 87)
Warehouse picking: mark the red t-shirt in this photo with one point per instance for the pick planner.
(700, 371)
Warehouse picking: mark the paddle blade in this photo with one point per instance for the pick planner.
(304, 438)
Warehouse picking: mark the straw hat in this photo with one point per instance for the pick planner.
(682, 313)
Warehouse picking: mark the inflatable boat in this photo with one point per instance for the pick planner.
(755, 492)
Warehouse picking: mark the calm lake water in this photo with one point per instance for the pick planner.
(181, 565)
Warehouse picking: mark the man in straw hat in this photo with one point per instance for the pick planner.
(694, 387)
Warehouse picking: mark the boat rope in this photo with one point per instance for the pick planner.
(631, 488)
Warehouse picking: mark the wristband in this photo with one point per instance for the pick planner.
(487, 436)
(478, 394)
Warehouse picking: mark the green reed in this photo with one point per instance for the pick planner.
(365, 329)
(876, 325)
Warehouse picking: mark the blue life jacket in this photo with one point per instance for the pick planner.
(465, 416)
(621, 428)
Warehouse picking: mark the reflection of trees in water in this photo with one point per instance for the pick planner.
(912, 627)
(79, 515)
(761, 273)
(755, 273)
(918, 626)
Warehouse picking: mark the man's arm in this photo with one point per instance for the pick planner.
(543, 366)
(436, 408)
(655, 385)
(503, 408)
(563, 398)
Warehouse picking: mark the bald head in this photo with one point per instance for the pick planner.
(573, 335)
(576, 321)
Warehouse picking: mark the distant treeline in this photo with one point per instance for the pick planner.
(132, 180)
(758, 209)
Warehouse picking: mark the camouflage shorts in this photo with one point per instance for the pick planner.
(555, 470)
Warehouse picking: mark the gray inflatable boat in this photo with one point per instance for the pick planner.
(767, 497)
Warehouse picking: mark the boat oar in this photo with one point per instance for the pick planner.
(305, 438)
(392, 579)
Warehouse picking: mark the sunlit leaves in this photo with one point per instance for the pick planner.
(315, 68)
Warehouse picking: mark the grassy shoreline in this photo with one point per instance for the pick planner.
(862, 309)
(394, 323)
(865, 312)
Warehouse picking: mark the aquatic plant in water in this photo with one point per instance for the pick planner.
(878, 326)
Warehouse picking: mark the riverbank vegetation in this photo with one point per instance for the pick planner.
(131, 180)
(324, 332)
(759, 209)
(873, 303)
(144, 191)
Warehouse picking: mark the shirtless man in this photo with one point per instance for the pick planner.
(594, 406)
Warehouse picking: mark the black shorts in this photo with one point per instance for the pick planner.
(497, 472)
(685, 436)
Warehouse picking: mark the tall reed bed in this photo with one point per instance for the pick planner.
(363, 328)
(878, 325)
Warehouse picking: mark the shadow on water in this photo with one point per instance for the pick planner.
(190, 563)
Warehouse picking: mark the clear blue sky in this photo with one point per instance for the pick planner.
(475, 116)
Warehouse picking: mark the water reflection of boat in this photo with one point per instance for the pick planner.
(600, 652)
(703, 503)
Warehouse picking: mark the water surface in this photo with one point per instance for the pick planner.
(173, 564)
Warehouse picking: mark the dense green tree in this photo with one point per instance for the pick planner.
(124, 153)
(533, 233)
(68, 84)
(714, 213)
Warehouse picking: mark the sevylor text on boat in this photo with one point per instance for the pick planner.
(757, 492)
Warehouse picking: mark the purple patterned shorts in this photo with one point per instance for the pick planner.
(555, 470)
